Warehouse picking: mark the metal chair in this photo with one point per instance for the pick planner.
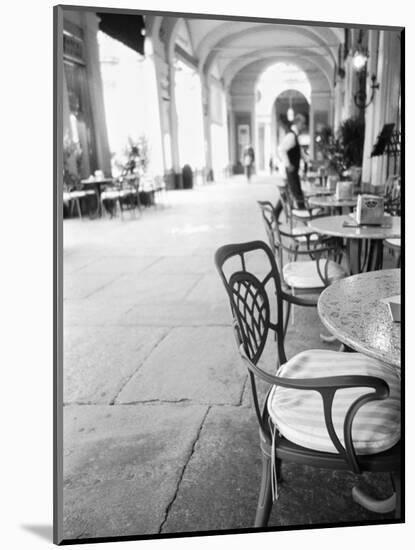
(294, 215)
(368, 390)
(301, 277)
(72, 196)
(393, 195)
(394, 246)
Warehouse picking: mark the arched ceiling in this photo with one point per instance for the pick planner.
(237, 47)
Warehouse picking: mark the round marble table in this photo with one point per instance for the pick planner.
(333, 225)
(371, 236)
(310, 190)
(352, 310)
(330, 201)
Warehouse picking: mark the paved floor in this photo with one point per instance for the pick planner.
(159, 431)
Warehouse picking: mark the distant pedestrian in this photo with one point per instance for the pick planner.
(249, 159)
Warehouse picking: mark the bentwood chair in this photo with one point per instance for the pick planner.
(309, 276)
(394, 246)
(392, 195)
(73, 197)
(293, 214)
(325, 409)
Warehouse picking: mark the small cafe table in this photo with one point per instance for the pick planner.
(97, 184)
(331, 202)
(311, 190)
(372, 234)
(352, 309)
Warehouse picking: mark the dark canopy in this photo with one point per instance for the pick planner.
(126, 28)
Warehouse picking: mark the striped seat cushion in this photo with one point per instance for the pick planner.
(393, 242)
(305, 213)
(305, 274)
(299, 417)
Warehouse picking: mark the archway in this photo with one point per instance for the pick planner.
(282, 91)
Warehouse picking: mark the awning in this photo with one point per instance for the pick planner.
(126, 28)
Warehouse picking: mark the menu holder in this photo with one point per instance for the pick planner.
(370, 210)
(394, 306)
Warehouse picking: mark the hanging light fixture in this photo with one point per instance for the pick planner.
(359, 61)
(360, 55)
(360, 58)
(290, 111)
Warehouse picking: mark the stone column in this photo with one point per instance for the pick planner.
(338, 103)
(96, 92)
(387, 97)
(311, 129)
(173, 120)
(232, 137)
(371, 112)
(206, 99)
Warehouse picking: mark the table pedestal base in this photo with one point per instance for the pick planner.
(372, 504)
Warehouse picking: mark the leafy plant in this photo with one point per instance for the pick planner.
(71, 151)
(136, 155)
(352, 135)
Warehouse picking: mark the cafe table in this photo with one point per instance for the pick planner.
(365, 238)
(311, 190)
(355, 310)
(332, 203)
(97, 184)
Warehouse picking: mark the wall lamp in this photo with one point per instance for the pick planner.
(360, 58)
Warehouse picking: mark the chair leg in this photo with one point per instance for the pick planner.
(78, 207)
(287, 317)
(265, 495)
(396, 481)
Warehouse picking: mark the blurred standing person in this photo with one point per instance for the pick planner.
(291, 154)
(249, 159)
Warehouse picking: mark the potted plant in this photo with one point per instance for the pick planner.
(72, 159)
(352, 135)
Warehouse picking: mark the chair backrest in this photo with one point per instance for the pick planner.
(250, 305)
(286, 201)
(274, 235)
(249, 295)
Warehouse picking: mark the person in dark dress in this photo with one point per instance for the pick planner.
(291, 154)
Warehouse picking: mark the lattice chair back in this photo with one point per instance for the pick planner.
(249, 295)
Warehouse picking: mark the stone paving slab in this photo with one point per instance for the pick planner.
(97, 310)
(148, 288)
(175, 314)
(224, 472)
(77, 287)
(209, 289)
(122, 466)
(197, 264)
(220, 485)
(118, 265)
(196, 364)
(99, 361)
(75, 260)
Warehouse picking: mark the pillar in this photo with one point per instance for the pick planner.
(96, 92)
(386, 100)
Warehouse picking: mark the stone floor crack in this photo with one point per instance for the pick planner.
(156, 345)
(193, 286)
(192, 450)
(243, 391)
